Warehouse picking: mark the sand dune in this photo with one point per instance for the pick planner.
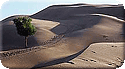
(94, 58)
(65, 47)
(61, 12)
(83, 39)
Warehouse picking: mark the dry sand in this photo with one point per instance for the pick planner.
(98, 55)
(90, 41)
(63, 12)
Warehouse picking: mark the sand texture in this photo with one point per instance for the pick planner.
(68, 36)
(111, 56)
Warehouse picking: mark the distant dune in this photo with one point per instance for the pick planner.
(68, 36)
(62, 12)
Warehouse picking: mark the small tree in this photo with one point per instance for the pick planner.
(24, 27)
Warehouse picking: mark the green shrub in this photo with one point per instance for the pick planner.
(24, 27)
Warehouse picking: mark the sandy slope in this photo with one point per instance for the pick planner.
(61, 12)
(98, 55)
(80, 33)
(73, 44)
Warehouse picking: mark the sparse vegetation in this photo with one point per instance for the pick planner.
(24, 27)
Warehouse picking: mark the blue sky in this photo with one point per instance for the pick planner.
(28, 7)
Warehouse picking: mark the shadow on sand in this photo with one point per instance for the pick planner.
(12, 40)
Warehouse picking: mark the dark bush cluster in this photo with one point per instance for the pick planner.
(24, 26)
